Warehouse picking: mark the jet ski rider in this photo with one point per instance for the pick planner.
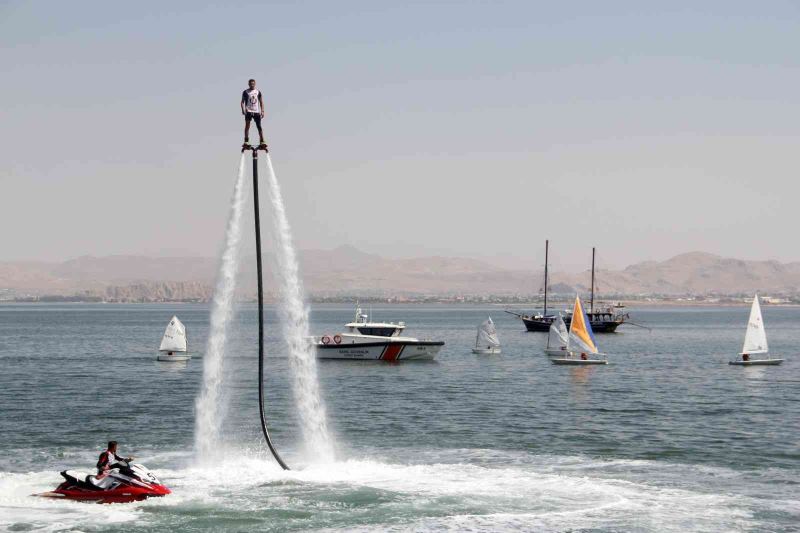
(109, 459)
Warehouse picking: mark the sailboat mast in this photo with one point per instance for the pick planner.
(546, 252)
(591, 303)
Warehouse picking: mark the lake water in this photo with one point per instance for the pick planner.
(667, 437)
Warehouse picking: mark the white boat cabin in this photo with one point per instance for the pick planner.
(362, 326)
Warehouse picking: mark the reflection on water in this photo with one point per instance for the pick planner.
(754, 372)
(755, 379)
(579, 375)
(172, 366)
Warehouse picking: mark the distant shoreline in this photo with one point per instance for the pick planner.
(692, 278)
(515, 306)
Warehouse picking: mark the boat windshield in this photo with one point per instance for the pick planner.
(377, 331)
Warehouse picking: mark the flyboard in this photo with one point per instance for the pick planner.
(264, 429)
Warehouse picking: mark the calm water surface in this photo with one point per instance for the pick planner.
(668, 437)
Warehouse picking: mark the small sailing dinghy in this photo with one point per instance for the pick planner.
(755, 340)
(173, 343)
(557, 338)
(486, 342)
(581, 345)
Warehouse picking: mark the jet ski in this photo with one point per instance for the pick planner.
(125, 482)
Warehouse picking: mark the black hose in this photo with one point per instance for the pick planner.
(261, 318)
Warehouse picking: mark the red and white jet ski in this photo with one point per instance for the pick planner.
(126, 482)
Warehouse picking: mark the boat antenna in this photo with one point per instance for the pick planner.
(261, 305)
(591, 303)
(546, 251)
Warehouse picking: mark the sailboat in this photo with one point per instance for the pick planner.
(557, 338)
(755, 340)
(581, 344)
(486, 342)
(604, 319)
(173, 343)
(539, 321)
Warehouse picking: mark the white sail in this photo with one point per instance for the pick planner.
(755, 340)
(174, 339)
(487, 335)
(558, 336)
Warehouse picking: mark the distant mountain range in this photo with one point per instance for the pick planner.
(347, 271)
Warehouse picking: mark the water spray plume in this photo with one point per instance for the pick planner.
(208, 418)
(294, 320)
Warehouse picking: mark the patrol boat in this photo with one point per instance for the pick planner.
(371, 341)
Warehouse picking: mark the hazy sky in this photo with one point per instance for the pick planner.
(406, 128)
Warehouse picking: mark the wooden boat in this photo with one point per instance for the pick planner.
(604, 319)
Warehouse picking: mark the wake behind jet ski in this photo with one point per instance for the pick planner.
(124, 482)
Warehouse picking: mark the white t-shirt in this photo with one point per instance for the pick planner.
(250, 99)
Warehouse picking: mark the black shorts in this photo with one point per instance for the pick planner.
(253, 116)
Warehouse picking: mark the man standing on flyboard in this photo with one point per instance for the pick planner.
(253, 109)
